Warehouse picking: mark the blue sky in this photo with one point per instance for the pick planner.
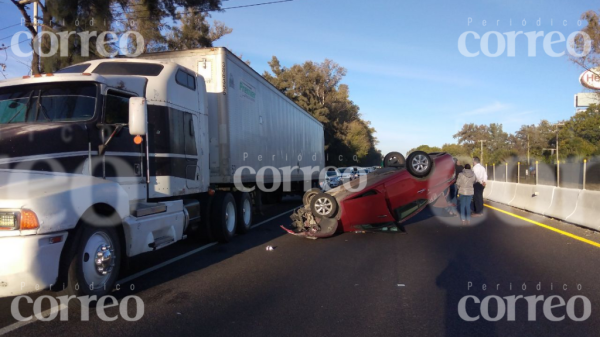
(405, 70)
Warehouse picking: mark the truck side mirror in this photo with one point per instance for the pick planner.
(138, 112)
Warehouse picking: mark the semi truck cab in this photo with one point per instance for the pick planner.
(82, 184)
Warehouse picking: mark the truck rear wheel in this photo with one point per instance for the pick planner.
(223, 216)
(244, 212)
(95, 266)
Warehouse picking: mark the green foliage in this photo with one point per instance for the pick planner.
(317, 88)
(578, 137)
(148, 17)
(455, 150)
(425, 148)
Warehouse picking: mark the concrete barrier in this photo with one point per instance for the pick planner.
(587, 211)
(507, 194)
(541, 199)
(580, 207)
(523, 195)
(496, 191)
(563, 204)
(488, 189)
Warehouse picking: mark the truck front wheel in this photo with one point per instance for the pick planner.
(94, 267)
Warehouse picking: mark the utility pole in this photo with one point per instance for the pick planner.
(482, 141)
(35, 16)
(528, 163)
(35, 25)
(557, 158)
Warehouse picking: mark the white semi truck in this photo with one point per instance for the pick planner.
(113, 158)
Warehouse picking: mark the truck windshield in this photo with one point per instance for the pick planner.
(49, 102)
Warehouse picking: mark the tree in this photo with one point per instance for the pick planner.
(425, 148)
(455, 150)
(470, 135)
(64, 16)
(580, 136)
(195, 32)
(590, 49)
(317, 88)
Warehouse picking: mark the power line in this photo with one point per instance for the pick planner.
(206, 11)
(14, 44)
(18, 24)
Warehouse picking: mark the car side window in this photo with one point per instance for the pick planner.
(116, 109)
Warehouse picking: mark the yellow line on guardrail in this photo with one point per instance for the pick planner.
(593, 243)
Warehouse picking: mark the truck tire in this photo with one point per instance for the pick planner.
(95, 266)
(323, 205)
(244, 212)
(223, 217)
(419, 164)
(308, 195)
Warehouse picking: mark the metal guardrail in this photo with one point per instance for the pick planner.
(584, 175)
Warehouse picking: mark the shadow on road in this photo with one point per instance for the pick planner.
(452, 279)
(256, 237)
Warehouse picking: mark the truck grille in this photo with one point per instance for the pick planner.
(8, 220)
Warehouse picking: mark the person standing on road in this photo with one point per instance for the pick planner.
(452, 209)
(458, 168)
(480, 181)
(465, 183)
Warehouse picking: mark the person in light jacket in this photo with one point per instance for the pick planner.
(465, 182)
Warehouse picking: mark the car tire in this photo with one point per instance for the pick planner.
(308, 195)
(394, 159)
(324, 205)
(419, 164)
(223, 217)
(88, 275)
(244, 212)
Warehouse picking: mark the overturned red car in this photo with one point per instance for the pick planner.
(379, 201)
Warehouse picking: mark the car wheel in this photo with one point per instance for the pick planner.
(394, 159)
(323, 205)
(244, 212)
(419, 164)
(223, 217)
(308, 195)
(94, 267)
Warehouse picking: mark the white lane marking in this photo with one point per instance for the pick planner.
(20, 324)
(275, 217)
(61, 307)
(166, 263)
(175, 259)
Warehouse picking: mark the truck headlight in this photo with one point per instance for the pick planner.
(9, 220)
(18, 220)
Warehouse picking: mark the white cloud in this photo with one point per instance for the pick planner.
(487, 109)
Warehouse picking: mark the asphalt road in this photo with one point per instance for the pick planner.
(359, 284)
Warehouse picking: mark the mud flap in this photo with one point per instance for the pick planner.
(309, 226)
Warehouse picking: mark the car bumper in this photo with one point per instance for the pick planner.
(29, 263)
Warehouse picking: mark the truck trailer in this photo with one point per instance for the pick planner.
(112, 158)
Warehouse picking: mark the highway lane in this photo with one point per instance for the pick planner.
(364, 284)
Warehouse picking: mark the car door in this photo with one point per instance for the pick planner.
(404, 192)
(368, 208)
